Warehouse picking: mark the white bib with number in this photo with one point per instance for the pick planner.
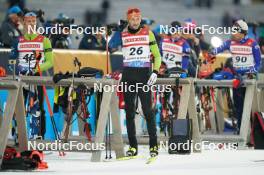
(171, 53)
(135, 47)
(26, 58)
(242, 56)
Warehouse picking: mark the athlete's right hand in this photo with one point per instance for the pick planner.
(116, 75)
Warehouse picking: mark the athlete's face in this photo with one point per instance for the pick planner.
(237, 36)
(134, 22)
(30, 22)
(14, 18)
(262, 49)
(176, 35)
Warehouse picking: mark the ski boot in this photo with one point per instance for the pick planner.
(131, 152)
(153, 151)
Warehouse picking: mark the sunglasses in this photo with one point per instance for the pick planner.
(236, 28)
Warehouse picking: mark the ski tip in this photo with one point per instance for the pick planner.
(151, 159)
(129, 157)
(107, 160)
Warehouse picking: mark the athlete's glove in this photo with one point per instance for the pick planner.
(36, 74)
(153, 78)
(213, 51)
(238, 81)
(116, 75)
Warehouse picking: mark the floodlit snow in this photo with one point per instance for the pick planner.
(242, 162)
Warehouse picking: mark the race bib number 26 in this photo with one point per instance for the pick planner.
(136, 53)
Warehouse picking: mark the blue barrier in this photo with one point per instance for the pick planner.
(59, 117)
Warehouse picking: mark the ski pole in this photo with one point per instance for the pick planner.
(70, 105)
(214, 104)
(13, 62)
(109, 137)
(85, 116)
(106, 137)
(56, 133)
(107, 54)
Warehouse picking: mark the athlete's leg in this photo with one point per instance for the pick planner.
(239, 97)
(42, 111)
(146, 102)
(130, 108)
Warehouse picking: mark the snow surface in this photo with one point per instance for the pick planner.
(242, 162)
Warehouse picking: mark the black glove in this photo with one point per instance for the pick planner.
(59, 76)
(36, 74)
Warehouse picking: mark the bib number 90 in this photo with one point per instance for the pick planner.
(241, 59)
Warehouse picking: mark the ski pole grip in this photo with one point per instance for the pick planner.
(77, 62)
(12, 61)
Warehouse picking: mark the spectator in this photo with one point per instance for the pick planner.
(227, 19)
(10, 28)
(62, 40)
(261, 44)
(20, 3)
(236, 2)
(159, 34)
(93, 42)
(105, 6)
(189, 26)
(204, 3)
(204, 45)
